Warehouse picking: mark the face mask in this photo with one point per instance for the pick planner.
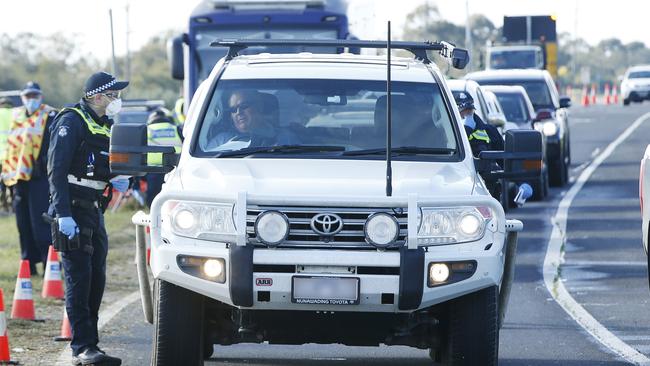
(114, 107)
(32, 104)
(469, 121)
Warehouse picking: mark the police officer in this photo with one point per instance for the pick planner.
(482, 136)
(24, 169)
(79, 175)
(161, 131)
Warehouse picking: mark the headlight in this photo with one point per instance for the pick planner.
(272, 227)
(548, 128)
(381, 229)
(200, 220)
(452, 225)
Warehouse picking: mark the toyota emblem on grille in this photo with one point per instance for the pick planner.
(326, 224)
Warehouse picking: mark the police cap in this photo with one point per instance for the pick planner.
(102, 81)
(464, 101)
(31, 88)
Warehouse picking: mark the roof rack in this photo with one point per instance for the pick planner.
(459, 57)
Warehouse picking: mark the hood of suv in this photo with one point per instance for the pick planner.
(321, 177)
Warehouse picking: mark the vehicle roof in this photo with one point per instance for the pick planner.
(505, 88)
(9, 93)
(639, 68)
(515, 47)
(463, 84)
(507, 74)
(327, 66)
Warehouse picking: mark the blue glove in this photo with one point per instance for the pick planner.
(121, 184)
(68, 226)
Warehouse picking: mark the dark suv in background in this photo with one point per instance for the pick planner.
(552, 117)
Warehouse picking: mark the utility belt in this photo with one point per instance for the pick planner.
(88, 183)
(99, 186)
(62, 243)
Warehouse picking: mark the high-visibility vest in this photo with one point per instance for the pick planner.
(481, 135)
(5, 125)
(162, 134)
(179, 115)
(23, 144)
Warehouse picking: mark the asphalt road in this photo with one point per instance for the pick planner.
(604, 270)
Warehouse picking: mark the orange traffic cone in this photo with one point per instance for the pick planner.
(615, 93)
(608, 97)
(592, 94)
(585, 97)
(66, 331)
(5, 358)
(52, 284)
(23, 307)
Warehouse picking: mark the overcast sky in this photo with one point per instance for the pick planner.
(596, 19)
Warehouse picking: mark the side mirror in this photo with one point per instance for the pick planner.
(175, 56)
(129, 151)
(496, 121)
(459, 58)
(565, 102)
(522, 157)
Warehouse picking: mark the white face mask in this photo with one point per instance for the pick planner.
(114, 107)
(32, 104)
(469, 121)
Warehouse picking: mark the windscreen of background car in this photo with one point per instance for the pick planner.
(537, 91)
(519, 59)
(208, 56)
(350, 114)
(514, 107)
(639, 75)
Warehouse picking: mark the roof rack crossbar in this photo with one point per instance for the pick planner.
(459, 57)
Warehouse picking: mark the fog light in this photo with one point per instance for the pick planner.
(438, 272)
(213, 268)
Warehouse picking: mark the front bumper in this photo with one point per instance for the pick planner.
(489, 270)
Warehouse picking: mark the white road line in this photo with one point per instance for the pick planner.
(105, 316)
(607, 263)
(555, 257)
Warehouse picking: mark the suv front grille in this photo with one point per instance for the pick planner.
(301, 234)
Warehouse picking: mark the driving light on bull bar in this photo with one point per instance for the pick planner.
(272, 227)
(213, 268)
(438, 272)
(381, 229)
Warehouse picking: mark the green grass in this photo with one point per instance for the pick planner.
(31, 342)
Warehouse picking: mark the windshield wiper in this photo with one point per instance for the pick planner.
(403, 150)
(278, 149)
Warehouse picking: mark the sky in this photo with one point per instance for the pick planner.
(88, 20)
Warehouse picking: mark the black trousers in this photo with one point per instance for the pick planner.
(85, 278)
(31, 200)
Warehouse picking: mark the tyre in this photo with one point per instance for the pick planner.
(178, 326)
(626, 102)
(558, 175)
(540, 188)
(473, 335)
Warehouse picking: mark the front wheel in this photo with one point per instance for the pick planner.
(559, 172)
(473, 337)
(178, 326)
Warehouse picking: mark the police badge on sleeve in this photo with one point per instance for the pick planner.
(63, 131)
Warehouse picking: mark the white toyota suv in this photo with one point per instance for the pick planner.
(308, 227)
(635, 86)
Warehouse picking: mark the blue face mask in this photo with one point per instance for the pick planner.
(469, 121)
(32, 104)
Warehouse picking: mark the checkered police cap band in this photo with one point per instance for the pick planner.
(101, 88)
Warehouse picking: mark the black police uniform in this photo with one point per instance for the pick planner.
(77, 160)
(494, 141)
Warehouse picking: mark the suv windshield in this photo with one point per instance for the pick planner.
(639, 75)
(537, 91)
(332, 118)
(520, 59)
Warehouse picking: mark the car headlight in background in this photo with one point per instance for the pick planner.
(199, 220)
(548, 128)
(381, 229)
(272, 227)
(452, 224)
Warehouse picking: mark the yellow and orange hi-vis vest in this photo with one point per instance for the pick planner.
(23, 144)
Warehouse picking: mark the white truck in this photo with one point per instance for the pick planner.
(351, 210)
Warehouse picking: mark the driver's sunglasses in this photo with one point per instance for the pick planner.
(113, 95)
(240, 108)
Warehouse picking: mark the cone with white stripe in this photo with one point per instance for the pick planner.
(23, 306)
(52, 283)
(5, 359)
(66, 331)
